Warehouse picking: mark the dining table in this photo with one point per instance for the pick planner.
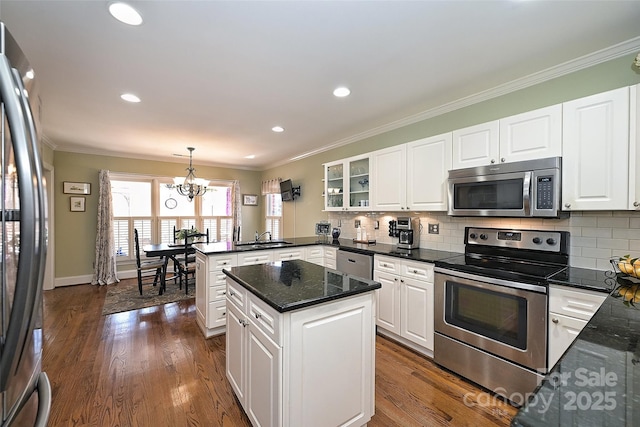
(166, 251)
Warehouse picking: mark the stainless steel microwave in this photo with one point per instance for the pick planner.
(519, 189)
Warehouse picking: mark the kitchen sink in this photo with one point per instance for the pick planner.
(263, 243)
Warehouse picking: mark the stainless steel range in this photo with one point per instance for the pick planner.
(491, 307)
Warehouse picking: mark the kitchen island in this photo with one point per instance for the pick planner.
(300, 344)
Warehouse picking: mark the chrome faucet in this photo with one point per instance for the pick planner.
(258, 236)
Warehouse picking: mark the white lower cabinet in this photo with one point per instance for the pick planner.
(210, 291)
(569, 311)
(314, 254)
(330, 257)
(405, 302)
(285, 368)
(289, 254)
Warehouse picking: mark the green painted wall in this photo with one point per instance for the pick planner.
(76, 231)
(301, 215)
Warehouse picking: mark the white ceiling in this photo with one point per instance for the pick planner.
(218, 75)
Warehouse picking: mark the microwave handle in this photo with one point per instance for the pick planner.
(526, 193)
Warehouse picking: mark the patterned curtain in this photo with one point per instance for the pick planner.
(237, 211)
(105, 271)
(271, 186)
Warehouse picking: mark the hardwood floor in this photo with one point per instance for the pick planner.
(153, 367)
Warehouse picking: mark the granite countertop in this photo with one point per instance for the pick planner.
(423, 255)
(597, 381)
(291, 285)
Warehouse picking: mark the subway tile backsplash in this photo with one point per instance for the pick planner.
(595, 236)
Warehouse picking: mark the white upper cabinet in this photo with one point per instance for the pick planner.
(595, 154)
(389, 182)
(428, 164)
(412, 176)
(634, 150)
(532, 135)
(347, 184)
(476, 145)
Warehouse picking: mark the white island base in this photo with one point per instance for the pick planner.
(310, 367)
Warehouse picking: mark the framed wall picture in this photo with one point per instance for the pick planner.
(250, 199)
(77, 204)
(76, 188)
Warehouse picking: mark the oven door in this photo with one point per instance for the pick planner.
(506, 319)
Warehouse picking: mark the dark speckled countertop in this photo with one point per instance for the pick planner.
(597, 381)
(424, 255)
(291, 285)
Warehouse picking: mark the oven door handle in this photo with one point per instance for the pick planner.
(492, 280)
(526, 194)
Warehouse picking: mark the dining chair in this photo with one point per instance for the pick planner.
(147, 270)
(187, 262)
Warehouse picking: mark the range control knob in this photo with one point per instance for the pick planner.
(537, 240)
(473, 236)
(483, 236)
(551, 241)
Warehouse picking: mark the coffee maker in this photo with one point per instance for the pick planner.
(407, 230)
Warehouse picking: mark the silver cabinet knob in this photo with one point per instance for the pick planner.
(258, 315)
(231, 293)
(567, 205)
(555, 320)
(503, 160)
(636, 204)
(493, 161)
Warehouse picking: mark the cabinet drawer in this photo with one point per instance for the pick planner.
(217, 278)
(581, 304)
(265, 318)
(387, 264)
(217, 314)
(418, 270)
(329, 253)
(236, 294)
(255, 257)
(217, 293)
(288, 254)
(217, 263)
(314, 252)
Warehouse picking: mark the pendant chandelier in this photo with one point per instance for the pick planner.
(190, 186)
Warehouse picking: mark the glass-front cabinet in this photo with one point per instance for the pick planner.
(346, 184)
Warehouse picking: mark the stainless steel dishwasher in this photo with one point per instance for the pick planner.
(356, 264)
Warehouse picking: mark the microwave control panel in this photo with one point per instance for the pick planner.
(544, 192)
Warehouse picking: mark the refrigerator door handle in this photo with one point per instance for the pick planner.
(44, 400)
(26, 285)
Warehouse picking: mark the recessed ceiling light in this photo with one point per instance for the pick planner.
(125, 13)
(341, 92)
(250, 156)
(277, 129)
(30, 74)
(129, 97)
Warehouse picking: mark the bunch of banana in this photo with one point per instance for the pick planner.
(630, 266)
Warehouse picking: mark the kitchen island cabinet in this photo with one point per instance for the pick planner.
(300, 344)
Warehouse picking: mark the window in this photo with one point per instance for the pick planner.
(274, 215)
(156, 210)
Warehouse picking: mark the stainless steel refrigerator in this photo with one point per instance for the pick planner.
(26, 392)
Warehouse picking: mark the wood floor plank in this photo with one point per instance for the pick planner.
(153, 367)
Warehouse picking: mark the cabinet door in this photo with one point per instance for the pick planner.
(416, 307)
(475, 145)
(595, 165)
(388, 302)
(235, 350)
(563, 330)
(334, 186)
(264, 379)
(428, 164)
(634, 149)
(202, 302)
(532, 135)
(389, 182)
(357, 184)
